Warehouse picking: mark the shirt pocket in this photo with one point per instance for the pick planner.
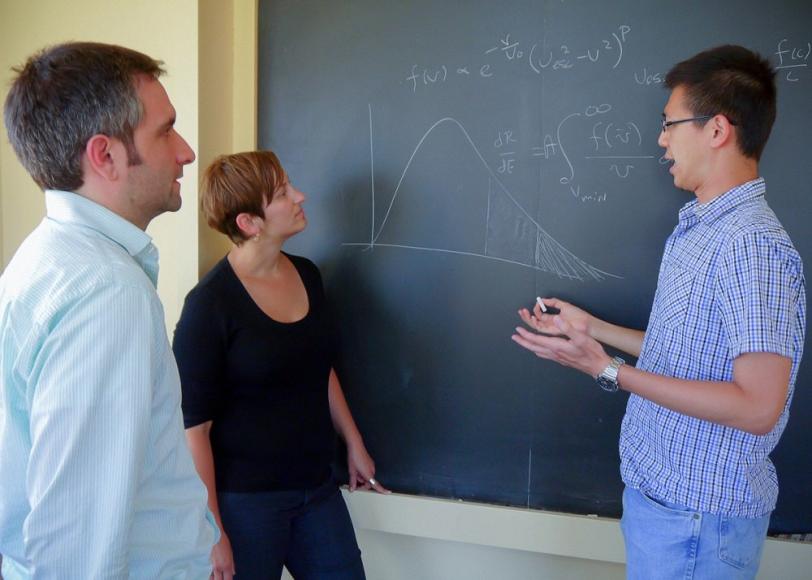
(674, 296)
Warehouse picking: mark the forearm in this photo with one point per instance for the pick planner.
(724, 403)
(340, 413)
(199, 440)
(621, 338)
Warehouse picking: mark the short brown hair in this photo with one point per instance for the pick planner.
(735, 82)
(64, 95)
(239, 183)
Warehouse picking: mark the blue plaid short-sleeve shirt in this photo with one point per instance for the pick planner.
(730, 283)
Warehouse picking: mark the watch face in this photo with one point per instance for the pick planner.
(607, 384)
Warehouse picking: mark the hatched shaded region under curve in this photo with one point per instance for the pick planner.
(548, 255)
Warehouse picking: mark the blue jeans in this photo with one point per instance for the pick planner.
(308, 531)
(665, 540)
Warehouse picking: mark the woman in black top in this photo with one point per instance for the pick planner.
(261, 401)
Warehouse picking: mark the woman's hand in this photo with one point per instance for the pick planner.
(362, 469)
(222, 559)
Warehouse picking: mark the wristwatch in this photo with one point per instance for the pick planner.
(608, 377)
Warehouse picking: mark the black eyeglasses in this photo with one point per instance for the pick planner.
(667, 124)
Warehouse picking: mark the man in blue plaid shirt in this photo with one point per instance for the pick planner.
(717, 363)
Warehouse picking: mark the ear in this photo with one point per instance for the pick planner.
(722, 131)
(249, 224)
(103, 156)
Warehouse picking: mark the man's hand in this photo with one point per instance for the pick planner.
(562, 342)
(543, 322)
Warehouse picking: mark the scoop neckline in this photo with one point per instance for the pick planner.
(247, 295)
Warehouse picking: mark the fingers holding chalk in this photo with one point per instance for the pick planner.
(546, 309)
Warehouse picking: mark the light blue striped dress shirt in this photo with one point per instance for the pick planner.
(96, 480)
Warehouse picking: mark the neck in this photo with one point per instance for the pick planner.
(256, 259)
(112, 202)
(725, 179)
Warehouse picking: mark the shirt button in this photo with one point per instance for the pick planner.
(696, 516)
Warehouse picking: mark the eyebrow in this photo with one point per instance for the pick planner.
(168, 124)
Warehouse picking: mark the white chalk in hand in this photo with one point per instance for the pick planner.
(541, 304)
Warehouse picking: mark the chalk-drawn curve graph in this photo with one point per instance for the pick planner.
(549, 255)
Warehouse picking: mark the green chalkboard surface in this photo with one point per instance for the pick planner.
(461, 158)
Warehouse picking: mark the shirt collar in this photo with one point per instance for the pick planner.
(72, 208)
(714, 209)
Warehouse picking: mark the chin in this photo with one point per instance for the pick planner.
(679, 186)
(678, 181)
(174, 205)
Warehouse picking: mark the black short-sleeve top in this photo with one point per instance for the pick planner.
(262, 383)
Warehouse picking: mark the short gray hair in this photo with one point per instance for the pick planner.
(66, 94)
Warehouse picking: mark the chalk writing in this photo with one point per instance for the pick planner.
(648, 78)
(510, 50)
(427, 77)
(507, 157)
(616, 143)
(792, 59)
(548, 254)
(590, 196)
(564, 58)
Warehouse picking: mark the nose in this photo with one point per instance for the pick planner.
(185, 153)
(662, 141)
(299, 196)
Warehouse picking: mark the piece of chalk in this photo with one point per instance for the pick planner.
(547, 309)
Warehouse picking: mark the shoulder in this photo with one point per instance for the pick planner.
(756, 224)
(752, 217)
(215, 284)
(302, 263)
(57, 266)
(307, 269)
(755, 238)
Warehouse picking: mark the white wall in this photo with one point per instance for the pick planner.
(405, 538)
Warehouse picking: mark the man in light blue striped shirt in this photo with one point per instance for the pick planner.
(714, 380)
(97, 481)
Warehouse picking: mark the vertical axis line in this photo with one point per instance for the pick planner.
(372, 178)
(488, 214)
(529, 473)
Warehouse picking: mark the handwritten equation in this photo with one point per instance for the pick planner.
(792, 59)
(615, 143)
(536, 57)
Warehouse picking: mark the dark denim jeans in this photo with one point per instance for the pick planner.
(308, 531)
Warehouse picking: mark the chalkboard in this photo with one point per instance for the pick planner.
(461, 158)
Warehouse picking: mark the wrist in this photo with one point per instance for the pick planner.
(601, 365)
(597, 328)
(354, 442)
(607, 379)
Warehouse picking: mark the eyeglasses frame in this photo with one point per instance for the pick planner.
(667, 124)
